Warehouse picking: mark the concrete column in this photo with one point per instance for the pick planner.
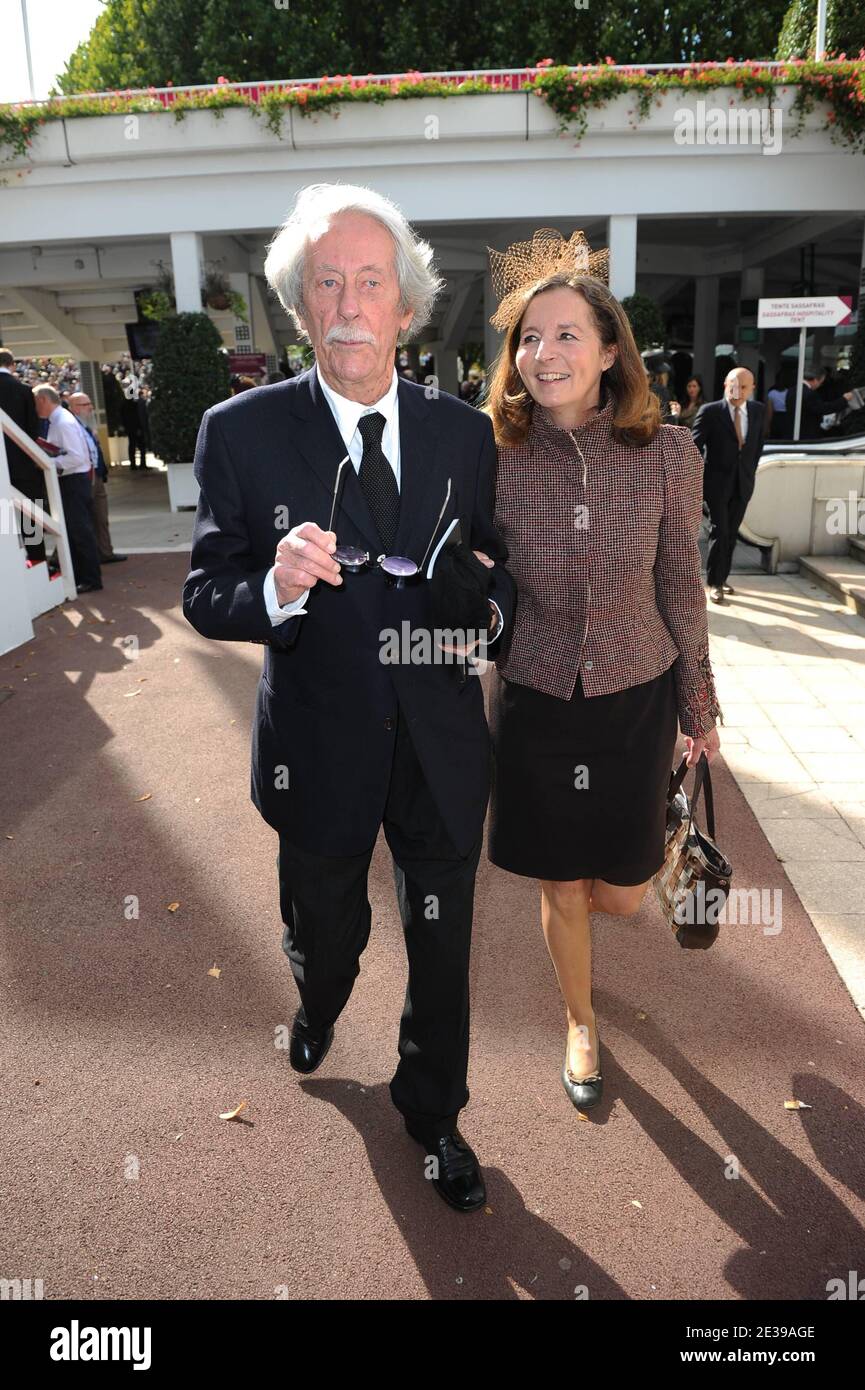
(91, 382)
(446, 368)
(622, 241)
(706, 330)
(186, 263)
(750, 287)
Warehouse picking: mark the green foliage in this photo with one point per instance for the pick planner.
(157, 304)
(142, 43)
(190, 374)
(840, 86)
(845, 29)
(646, 320)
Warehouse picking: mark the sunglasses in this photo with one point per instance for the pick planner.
(398, 570)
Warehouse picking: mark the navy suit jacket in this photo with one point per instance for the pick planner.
(326, 705)
(726, 465)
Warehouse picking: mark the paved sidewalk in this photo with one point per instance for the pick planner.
(790, 670)
(140, 517)
(127, 1027)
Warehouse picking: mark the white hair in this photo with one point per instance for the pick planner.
(311, 216)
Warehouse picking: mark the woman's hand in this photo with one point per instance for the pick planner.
(484, 559)
(710, 745)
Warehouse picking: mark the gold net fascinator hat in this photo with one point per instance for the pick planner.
(526, 262)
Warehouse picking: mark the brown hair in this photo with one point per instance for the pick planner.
(636, 412)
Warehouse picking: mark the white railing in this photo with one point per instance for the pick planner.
(497, 78)
(26, 591)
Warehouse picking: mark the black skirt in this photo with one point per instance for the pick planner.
(579, 786)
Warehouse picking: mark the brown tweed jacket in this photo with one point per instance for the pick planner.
(602, 542)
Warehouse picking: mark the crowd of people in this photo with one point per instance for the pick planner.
(64, 426)
(48, 403)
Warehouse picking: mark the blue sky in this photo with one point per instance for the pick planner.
(56, 29)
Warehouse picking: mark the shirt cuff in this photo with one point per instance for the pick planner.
(279, 614)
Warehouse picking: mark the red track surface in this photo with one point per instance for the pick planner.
(117, 1046)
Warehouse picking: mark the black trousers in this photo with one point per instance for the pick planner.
(29, 480)
(137, 445)
(76, 490)
(726, 514)
(327, 918)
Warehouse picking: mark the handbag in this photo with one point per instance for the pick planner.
(694, 880)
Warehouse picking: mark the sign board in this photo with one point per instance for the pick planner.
(248, 363)
(814, 311)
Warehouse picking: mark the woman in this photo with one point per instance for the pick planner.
(694, 398)
(599, 506)
(777, 424)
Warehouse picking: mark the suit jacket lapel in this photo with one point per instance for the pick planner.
(423, 477)
(321, 444)
(728, 421)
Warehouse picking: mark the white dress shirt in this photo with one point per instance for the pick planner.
(743, 418)
(65, 431)
(347, 413)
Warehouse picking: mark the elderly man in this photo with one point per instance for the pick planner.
(82, 408)
(346, 741)
(74, 467)
(730, 434)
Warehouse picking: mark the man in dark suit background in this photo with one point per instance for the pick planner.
(345, 742)
(818, 399)
(730, 434)
(17, 400)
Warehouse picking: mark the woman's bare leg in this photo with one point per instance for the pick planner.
(618, 901)
(565, 918)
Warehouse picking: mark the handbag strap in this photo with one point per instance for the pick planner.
(702, 781)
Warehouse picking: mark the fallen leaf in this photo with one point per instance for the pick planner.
(233, 1114)
(215, 971)
(145, 797)
(488, 1211)
(172, 907)
(129, 694)
(641, 1015)
(797, 1105)
(635, 1203)
(10, 837)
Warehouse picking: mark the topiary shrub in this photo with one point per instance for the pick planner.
(190, 374)
(646, 320)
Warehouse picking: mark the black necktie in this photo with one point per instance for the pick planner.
(377, 479)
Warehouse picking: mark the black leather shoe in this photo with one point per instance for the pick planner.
(457, 1177)
(88, 588)
(112, 559)
(716, 594)
(308, 1048)
(727, 589)
(588, 1090)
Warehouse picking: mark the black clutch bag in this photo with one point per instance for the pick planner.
(694, 881)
